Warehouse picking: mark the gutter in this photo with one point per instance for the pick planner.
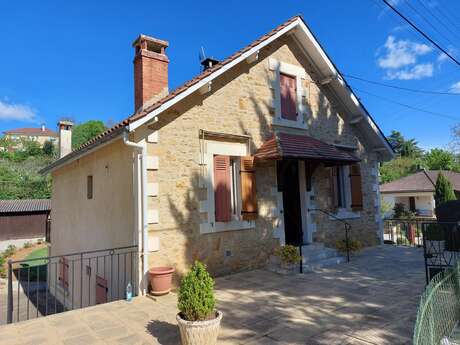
(142, 186)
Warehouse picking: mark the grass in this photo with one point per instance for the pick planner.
(38, 253)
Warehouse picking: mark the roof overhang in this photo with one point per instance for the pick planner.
(301, 147)
(332, 79)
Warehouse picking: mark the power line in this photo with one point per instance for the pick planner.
(428, 92)
(421, 32)
(410, 106)
(438, 19)
(428, 22)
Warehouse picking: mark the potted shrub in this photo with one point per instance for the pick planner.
(198, 320)
(160, 280)
(289, 256)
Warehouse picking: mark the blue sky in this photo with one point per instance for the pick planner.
(74, 59)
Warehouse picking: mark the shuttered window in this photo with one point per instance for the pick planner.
(248, 188)
(288, 94)
(89, 187)
(356, 187)
(64, 272)
(222, 188)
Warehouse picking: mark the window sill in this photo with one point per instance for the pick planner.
(289, 123)
(346, 214)
(207, 228)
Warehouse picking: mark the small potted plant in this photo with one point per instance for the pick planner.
(354, 246)
(160, 280)
(198, 320)
(289, 256)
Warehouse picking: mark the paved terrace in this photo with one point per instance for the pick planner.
(372, 300)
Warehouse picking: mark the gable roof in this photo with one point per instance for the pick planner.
(26, 205)
(315, 52)
(422, 181)
(32, 131)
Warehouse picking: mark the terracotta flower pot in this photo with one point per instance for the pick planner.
(199, 332)
(160, 280)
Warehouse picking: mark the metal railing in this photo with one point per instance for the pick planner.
(54, 284)
(347, 228)
(404, 232)
(438, 312)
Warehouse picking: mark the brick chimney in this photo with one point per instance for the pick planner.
(65, 137)
(150, 70)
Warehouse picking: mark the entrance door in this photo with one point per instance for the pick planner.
(288, 184)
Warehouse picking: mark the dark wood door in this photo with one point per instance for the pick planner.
(288, 183)
(412, 204)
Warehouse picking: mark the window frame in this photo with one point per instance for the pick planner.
(234, 150)
(299, 74)
(344, 210)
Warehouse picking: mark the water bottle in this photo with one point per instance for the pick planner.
(129, 292)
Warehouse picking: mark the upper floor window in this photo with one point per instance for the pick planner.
(288, 94)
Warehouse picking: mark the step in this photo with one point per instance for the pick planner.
(316, 253)
(315, 266)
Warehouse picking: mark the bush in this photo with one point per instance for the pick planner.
(2, 267)
(288, 254)
(9, 251)
(353, 246)
(28, 245)
(399, 210)
(196, 301)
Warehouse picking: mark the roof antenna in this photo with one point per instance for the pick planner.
(206, 62)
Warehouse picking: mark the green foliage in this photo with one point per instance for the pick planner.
(83, 132)
(438, 159)
(9, 251)
(288, 254)
(19, 177)
(385, 207)
(353, 246)
(48, 148)
(443, 190)
(403, 147)
(28, 244)
(397, 168)
(196, 301)
(2, 267)
(399, 210)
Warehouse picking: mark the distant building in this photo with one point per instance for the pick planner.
(40, 134)
(416, 191)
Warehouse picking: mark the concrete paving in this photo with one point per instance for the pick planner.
(372, 300)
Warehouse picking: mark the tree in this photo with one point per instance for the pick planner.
(83, 132)
(396, 141)
(397, 168)
(403, 147)
(439, 159)
(443, 190)
(48, 148)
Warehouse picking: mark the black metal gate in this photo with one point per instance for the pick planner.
(54, 284)
(441, 246)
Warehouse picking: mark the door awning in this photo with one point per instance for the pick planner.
(291, 146)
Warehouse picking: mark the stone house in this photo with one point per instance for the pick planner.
(229, 165)
(40, 135)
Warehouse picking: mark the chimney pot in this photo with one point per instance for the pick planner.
(65, 137)
(150, 70)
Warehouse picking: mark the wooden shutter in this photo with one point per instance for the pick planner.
(288, 92)
(356, 187)
(333, 172)
(248, 188)
(64, 272)
(222, 191)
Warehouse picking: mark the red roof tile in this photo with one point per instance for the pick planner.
(32, 131)
(284, 145)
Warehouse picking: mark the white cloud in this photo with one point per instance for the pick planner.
(400, 53)
(455, 87)
(18, 112)
(416, 72)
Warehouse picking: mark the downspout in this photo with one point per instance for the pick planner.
(143, 184)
